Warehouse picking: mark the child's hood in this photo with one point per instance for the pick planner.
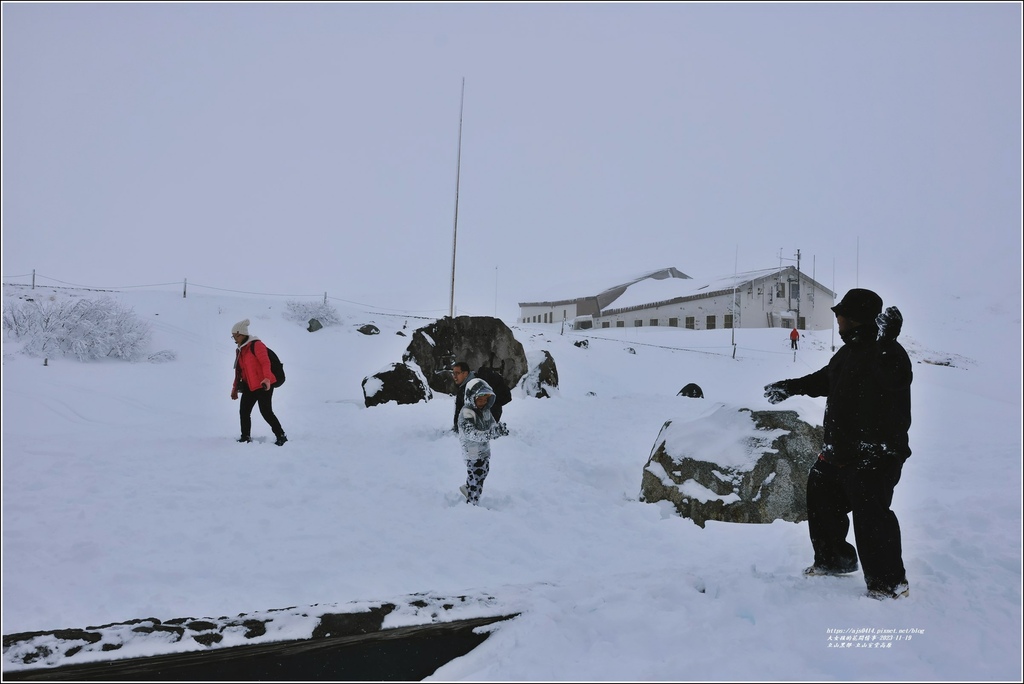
(475, 388)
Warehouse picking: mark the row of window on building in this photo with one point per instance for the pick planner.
(689, 322)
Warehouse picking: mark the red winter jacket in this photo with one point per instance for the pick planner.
(252, 364)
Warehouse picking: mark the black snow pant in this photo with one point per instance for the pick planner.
(832, 493)
(265, 398)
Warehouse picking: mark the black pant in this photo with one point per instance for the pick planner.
(265, 399)
(832, 493)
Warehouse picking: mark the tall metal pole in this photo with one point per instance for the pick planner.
(833, 299)
(455, 231)
(799, 288)
(735, 316)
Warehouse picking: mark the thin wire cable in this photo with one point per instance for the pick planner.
(372, 309)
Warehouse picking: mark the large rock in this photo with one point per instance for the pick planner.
(398, 383)
(733, 464)
(543, 374)
(477, 340)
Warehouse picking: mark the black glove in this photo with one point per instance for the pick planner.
(889, 323)
(777, 391)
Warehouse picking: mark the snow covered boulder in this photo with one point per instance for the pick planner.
(542, 376)
(398, 383)
(734, 465)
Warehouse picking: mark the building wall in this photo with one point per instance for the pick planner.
(547, 313)
(768, 302)
(758, 305)
(771, 303)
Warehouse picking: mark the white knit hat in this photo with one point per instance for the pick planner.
(241, 328)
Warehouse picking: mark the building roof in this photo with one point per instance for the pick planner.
(597, 288)
(650, 293)
(669, 284)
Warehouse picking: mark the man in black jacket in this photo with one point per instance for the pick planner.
(867, 417)
(461, 375)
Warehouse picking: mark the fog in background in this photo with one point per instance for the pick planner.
(311, 148)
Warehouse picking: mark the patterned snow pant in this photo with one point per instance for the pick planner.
(476, 473)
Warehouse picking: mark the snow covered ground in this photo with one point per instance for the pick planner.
(125, 496)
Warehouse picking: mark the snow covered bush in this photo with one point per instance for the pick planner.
(301, 312)
(82, 328)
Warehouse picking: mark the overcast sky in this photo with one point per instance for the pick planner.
(303, 148)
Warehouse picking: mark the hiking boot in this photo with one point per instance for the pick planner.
(244, 438)
(281, 439)
(827, 570)
(901, 590)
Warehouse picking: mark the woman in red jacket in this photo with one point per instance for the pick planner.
(255, 381)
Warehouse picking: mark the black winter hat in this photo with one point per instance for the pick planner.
(859, 305)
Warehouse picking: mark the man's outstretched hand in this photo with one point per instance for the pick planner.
(777, 391)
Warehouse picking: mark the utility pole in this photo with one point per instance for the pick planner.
(455, 231)
(789, 293)
(800, 290)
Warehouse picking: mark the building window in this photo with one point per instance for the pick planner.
(794, 290)
(691, 323)
(605, 324)
(638, 323)
(727, 321)
(801, 323)
(711, 323)
(654, 321)
(620, 324)
(780, 290)
(673, 322)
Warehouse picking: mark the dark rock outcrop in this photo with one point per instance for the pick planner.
(327, 643)
(399, 383)
(691, 390)
(477, 340)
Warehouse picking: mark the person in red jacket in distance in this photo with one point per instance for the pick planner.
(254, 381)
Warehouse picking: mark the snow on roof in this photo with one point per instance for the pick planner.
(650, 291)
(645, 288)
(594, 285)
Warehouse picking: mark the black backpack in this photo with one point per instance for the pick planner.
(276, 367)
(502, 394)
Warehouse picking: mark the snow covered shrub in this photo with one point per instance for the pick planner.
(301, 312)
(82, 328)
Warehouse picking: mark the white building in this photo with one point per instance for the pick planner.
(771, 298)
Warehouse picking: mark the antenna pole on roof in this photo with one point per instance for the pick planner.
(735, 318)
(455, 231)
(833, 299)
